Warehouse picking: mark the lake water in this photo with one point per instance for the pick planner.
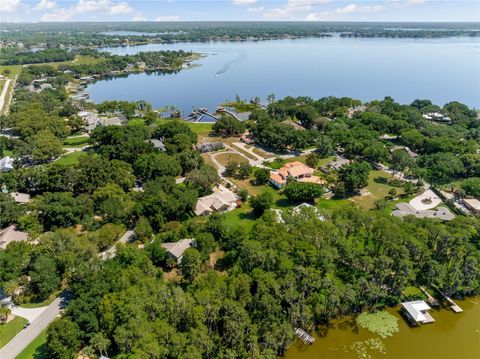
(442, 70)
(452, 336)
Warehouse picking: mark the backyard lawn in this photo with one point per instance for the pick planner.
(79, 141)
(71, 159)
(377, 188)
(10, 329)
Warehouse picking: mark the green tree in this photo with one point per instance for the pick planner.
(261, 176)
(261, 202)
(10, 210)
(143, 230)
(44, 276)
(354, 176)
(228, 126)
(302, 192)
(190, 264)
(63, 339)
(44, 146)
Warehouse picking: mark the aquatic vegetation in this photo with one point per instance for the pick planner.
(381, 323)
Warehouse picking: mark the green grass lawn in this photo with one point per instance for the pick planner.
(10, 329)
(15, 70)
(70, 159)
(378, 189)
(241, 106)
(36, 349)
(200, 128)
(43, 303)
(76, 141)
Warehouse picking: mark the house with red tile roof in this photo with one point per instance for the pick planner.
(295, 170)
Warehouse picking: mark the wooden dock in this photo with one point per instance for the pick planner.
(430, 299)
(453, 306)
(304, 336)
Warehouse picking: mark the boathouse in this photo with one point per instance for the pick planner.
(417, 312)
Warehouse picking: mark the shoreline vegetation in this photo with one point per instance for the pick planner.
(94, 35)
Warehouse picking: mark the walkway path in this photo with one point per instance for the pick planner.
(4, 94)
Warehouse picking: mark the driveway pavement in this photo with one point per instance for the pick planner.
(39, 324)
(428, 194)
(29, 314)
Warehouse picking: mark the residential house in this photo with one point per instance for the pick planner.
(223, 200)
(90, 119)
(294, 125)
(157, 144)
(117, 120)
(175, 250)
(416, 312)
(6, 164)
(11, 234)
(405, 209)
(437, 117)
(21, 198)
(210, 146)
(404, 148)
(472, 204)
(295, 170)
(45, 86)
(338, 163)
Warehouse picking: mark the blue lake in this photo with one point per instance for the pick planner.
(441, 70)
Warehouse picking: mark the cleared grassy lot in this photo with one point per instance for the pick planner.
(377, 188)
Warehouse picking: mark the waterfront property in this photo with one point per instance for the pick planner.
(210, 146)
(175, 250)
(417, 313)
(296, 170)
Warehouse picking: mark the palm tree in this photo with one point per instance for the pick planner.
(10, 288)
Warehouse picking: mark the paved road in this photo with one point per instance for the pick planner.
(26, 336)
(112, 251)
(3, 95)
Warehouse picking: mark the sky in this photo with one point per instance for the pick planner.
(239, 10)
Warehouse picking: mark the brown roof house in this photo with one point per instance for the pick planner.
(296, 170)
(11, 234)
(175, 250)
(20, 198)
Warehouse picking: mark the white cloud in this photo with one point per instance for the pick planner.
(120, 8)
(59, 15)
(11, 5)
(168, 18)
(139, 17)
(256, 9)
(244, 2)
(353, 9)
(45, 5)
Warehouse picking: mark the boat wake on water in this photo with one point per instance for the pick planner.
(226, 66)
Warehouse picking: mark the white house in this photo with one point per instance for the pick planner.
(6, 164)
